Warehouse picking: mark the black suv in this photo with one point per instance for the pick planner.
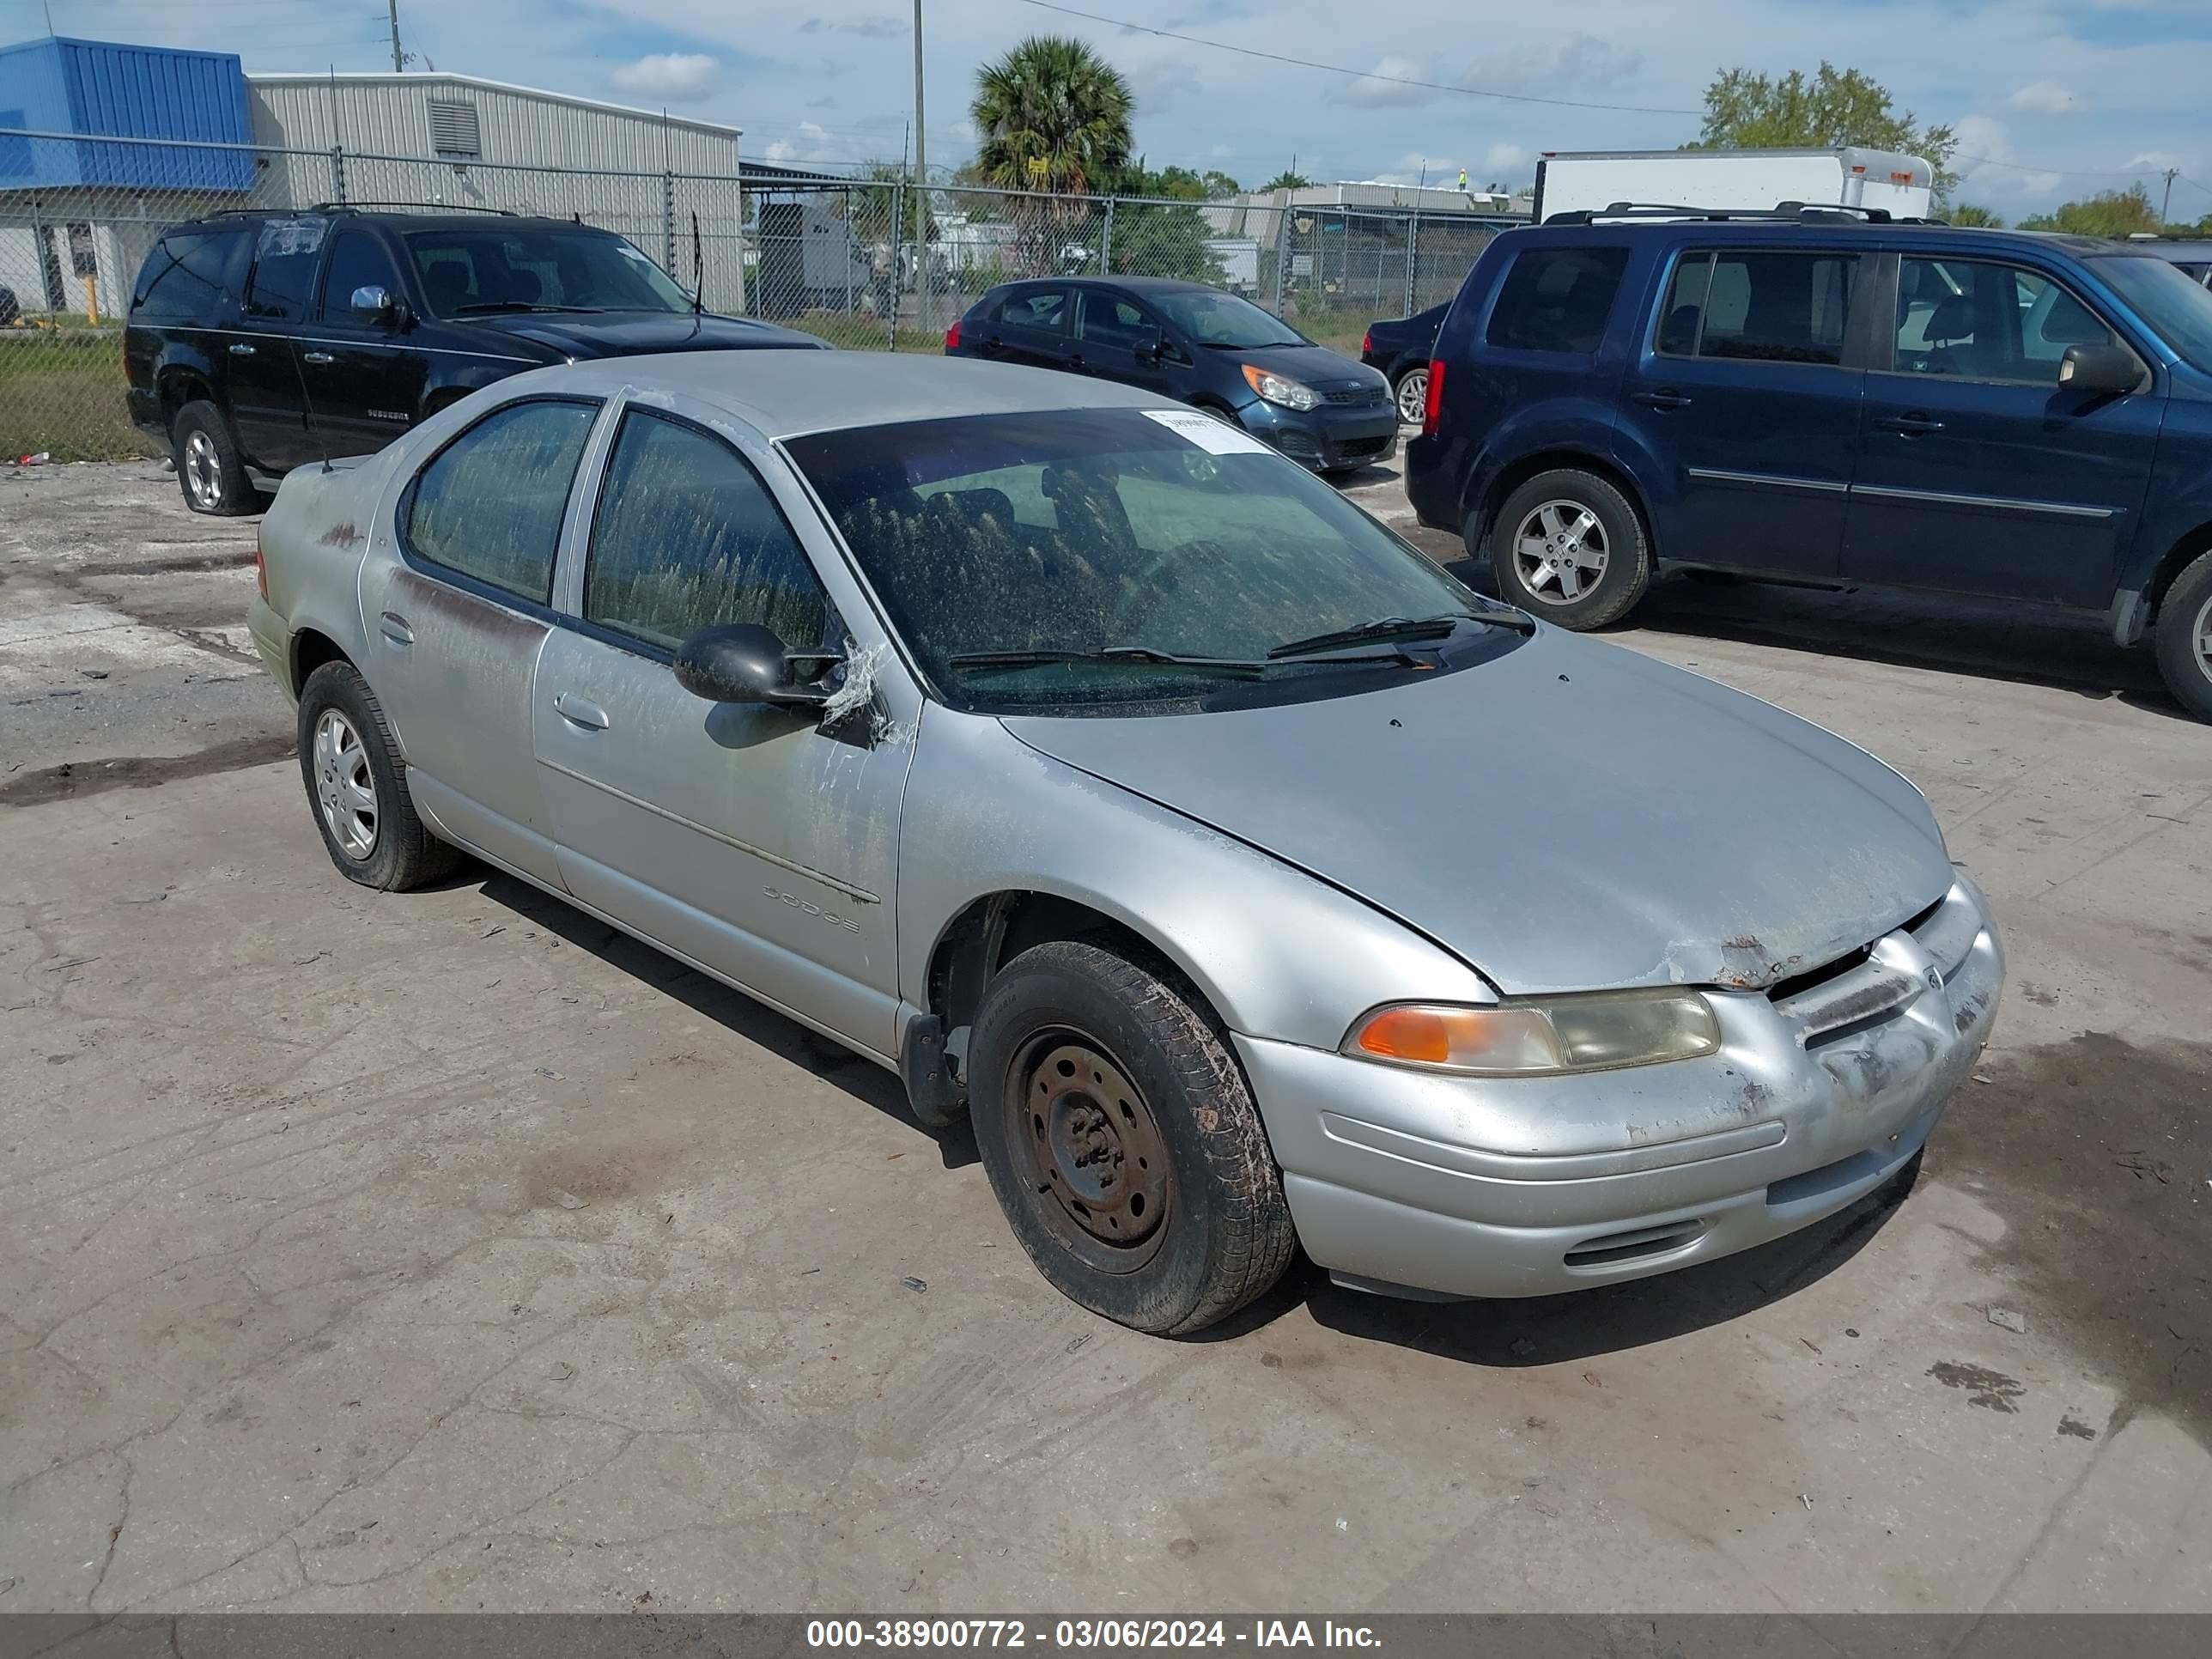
(260, 340)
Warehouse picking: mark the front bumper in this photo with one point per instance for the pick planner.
(1329, 437)
(1402, 1180)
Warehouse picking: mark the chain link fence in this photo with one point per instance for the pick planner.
(863, 264)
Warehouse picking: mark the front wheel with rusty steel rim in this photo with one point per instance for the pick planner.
(2185, 637)
(344, 787)
(1122, 1140)
(1569, 546)
(1413, 397)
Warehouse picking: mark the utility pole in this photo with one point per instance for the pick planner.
(398, 58)
(2165, 201)
(921, 306)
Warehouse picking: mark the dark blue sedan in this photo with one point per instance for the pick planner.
(1197, 344)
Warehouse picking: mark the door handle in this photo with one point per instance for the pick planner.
(240, 349)
(1664, 397)
(394, 627)
(1075, 359)
(315, 357)
(1909, 425)
(994, 343)
(578, 712)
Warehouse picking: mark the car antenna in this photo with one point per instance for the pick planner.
(698, 271)
(314, 421)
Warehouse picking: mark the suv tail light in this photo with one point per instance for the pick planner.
(1367, 344)
(952, 335)
(260, 566)
(1436, 397)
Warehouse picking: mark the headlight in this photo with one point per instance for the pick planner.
(1280, 389)
(1555, 1034)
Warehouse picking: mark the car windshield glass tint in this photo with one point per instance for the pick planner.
(2163, 295)
(495, 266)
(1095, 530)
(1225, 321)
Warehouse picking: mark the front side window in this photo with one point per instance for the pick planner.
(1557, 299)
(1111, 537)
(189, 274)
(1758, 306)
(285, 255)
(2178, 309)
(687, 536)
(1968, 319)
(476, 268)
(357, 261)
(489, 505)
(1110, 319)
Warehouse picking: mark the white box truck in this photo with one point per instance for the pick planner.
(1593, 180)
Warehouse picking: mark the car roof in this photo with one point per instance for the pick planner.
(1783, 230)
(1133, 284)
(397, 218)
(782, 394)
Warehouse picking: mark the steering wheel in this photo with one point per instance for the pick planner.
(1162, 572)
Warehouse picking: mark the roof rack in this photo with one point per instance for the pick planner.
(1822, 213)
(414, 207)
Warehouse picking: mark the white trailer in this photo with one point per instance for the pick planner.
(1593, 180)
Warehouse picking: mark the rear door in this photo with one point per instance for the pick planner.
(1741, 410)
(268, 376)
(1036, 325)
(367, 380)
(1977, 472)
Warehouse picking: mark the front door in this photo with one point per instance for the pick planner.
(367, 381)
(459, 612)
(1741, 410)
(755, 842)
(1109, 327)
(268, 376)
(1977, 472)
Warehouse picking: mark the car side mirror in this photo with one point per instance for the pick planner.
(1151, 348)
(376, 306)
(744, 662)
(2098, 369)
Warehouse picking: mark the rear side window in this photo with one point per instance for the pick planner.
(489, 505)
(189, 274)
(285, 255)
(687, 536)
(1557, 299)
(1764, 307)
(1045, 313)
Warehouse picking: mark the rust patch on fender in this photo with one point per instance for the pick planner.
(341, 535)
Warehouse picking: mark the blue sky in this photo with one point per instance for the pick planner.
(2053, 98)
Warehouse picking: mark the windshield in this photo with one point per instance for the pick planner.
(1127, 537)
(495, 267)
(1222, 319)
(2177, 310)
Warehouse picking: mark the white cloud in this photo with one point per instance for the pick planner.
(675, 77)
(2045, 98)
(1386, 93)
(1505, 163)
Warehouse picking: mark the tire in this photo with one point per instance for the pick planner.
(1413, 386)
(1167, 1250)
(347, 753)
(2184, 637)
(1552, 505)
(209, 471)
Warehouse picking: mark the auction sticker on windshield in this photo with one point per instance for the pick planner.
(1213, 436)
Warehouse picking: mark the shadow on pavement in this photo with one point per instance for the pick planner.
(780, 1036)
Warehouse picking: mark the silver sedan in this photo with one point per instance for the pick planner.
(1249, 882)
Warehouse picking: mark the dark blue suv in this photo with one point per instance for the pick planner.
(1821, 396)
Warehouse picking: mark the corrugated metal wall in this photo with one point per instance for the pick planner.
(390, 115)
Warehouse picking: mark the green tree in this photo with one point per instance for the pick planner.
(1219, 184)
(1288, 179)
(1151, 239)
(1825, 110)
(1053, 116)
(869, 210)
(1966, 213)
(2108, 213)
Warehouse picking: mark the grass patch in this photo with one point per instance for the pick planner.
(61, 391)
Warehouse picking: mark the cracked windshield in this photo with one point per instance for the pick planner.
(1102, 558)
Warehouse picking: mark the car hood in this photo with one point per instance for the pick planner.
(1569, 816)
(1316, 366)
(636, 333)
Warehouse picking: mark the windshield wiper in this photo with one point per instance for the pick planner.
(513, 305)
(1399, 628)
(1132, 656)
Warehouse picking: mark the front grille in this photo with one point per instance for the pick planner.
(1358, 446)
(1354, 397)
(1868, 986)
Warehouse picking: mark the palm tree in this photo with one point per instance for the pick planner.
(1053, 116)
